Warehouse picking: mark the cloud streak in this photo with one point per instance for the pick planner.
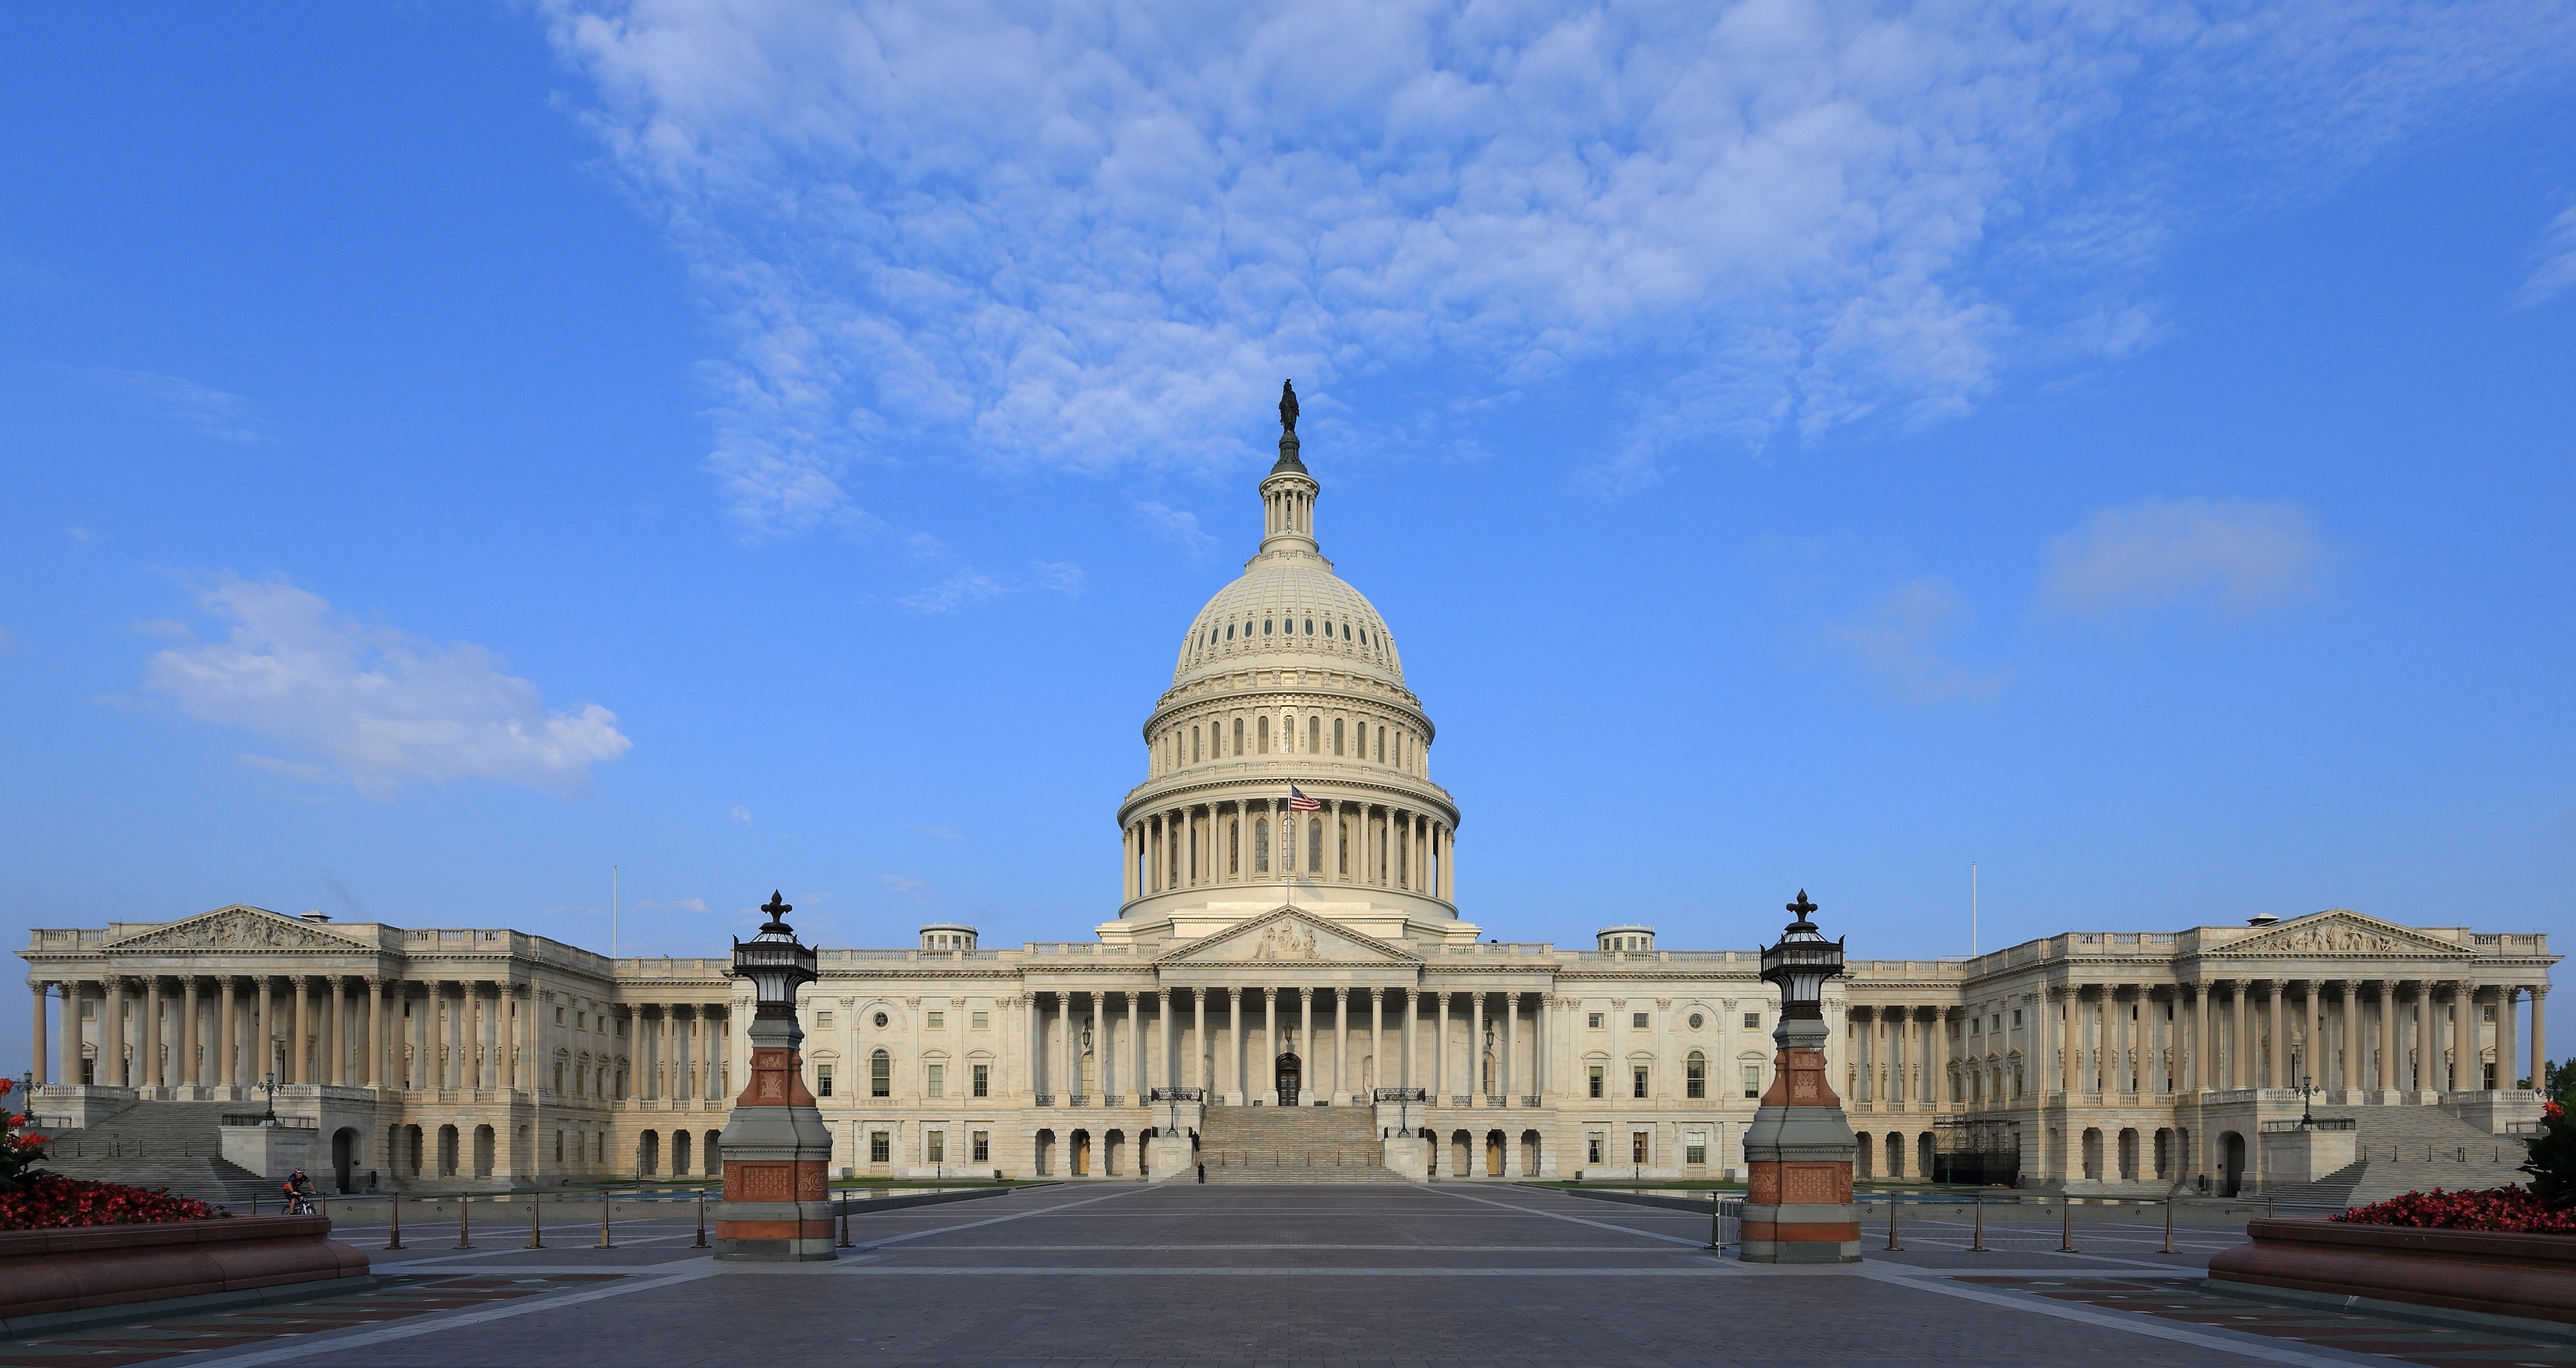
(187, 405)
(2556, 269)
(1087, 235)
(1906, 642)
(2232, 554)
(376, 705)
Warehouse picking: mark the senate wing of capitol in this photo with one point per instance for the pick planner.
(1290, 990)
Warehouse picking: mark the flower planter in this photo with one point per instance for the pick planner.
(58, 1273)
(2530, 1277)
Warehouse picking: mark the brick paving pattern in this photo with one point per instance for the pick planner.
(1449, 1273)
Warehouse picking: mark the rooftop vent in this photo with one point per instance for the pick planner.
(316, 916)
(2261, 919)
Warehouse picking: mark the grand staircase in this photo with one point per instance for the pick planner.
(177, 1145)
(2409, 1149)
(1293, 1145)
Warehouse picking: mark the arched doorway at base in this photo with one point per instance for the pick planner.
(1287, 1074)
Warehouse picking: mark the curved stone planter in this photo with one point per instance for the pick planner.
(2527, 1277)
(50, 1276)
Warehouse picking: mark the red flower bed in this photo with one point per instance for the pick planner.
(52, 1202)
(2506, 1210)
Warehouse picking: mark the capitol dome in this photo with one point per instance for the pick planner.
(1288, 689)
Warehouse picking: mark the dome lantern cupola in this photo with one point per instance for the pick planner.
(1288, 492)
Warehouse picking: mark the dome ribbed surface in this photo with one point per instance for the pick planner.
(1280, 613)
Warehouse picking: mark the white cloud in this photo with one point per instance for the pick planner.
(1905, 641)
(1178, 526)
(290, 769)
(2557, 268)
(969, 586)
(741, 814)
(2237, 554)
(1097, 233)
(379, 705)
(186, 404)
(910, 888)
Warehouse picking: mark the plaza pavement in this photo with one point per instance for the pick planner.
(1438, 1274)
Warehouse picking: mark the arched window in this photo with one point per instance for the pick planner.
(1695, 1075)
(1261, 728)
(1234, 844)
(1314, 845)
(880, 1074)
(1310, 626)
(1238, 736)
(1337, 736)
(1229, 631)
(1381, 745)
(1265, 626)
(1261, 845)
(1314, 736)
(1342, 839)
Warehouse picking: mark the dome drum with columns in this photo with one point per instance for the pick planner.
(1288, 676)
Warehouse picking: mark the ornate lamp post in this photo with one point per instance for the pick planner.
(1798, 1151)
(777, 1151)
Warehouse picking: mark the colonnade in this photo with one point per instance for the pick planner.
(179, 1030)
(1256, 841)
(1899, 1058)
(1349, 1041)
(2217, 1035)
(678, 1054)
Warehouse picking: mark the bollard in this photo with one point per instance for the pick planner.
(1891, 1224)
(1716, 1221)
(702, 1220)
(464, 1230)
(603, 1221)
(536, 1231)
(1977, 1243)
(2168, 1223)
(2066, 1235)
(396, 1241)
(845, 1221)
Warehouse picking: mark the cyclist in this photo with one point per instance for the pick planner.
(299, 1194)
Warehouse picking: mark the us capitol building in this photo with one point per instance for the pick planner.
(1281, 948)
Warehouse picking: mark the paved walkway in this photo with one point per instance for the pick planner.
(1447, 1273)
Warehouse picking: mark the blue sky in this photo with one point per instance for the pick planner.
(454, 449)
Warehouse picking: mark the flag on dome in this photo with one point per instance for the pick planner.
(1299, 802)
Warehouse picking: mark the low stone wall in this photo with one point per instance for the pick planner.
(2527, 1277)
(46, 1275)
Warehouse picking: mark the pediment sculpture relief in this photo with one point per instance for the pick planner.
(2337, 936)
(235, 929)
(1285, 940)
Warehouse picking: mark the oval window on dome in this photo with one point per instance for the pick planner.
(1310, 626)
(1265, 626)
(1229, 631)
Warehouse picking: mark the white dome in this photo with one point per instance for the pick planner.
(1289, 604)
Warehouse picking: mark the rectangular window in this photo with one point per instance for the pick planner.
(1752, 1080)
(823, 1019)
(822, 1080)
(937, 1147)
(1639, 1151)
(1637, 1020)
(2016, 1016)
(983, 1080)
(1753, 1021)
(934, 1021)
(1592, 1019)
(1976, 1025)
(983, 1142)
(1337, 736)
(1592, 1147)
(581, 1021)
(1194, 745)
(1381, 745)
(880, 1147)
(1596, 1080)
(1238, 736)
(1637, 1076)
(880, 1075)
(1314, 736)
(979, 1021)
(1695, 1148)
(1695, 1077)
(935, 1081)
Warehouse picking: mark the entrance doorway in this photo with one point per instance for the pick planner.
(1289, 1073)
(344, 1159)
(2231, 1164)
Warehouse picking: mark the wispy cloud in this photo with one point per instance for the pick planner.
(377, 705)
(2233, 554)
(740, 814)
(969, 586)
(2556, 269)
(1907, 642)
(185, 404)
(1088, 235)
(1178, 526)
(290, 769)
(914, 889)
(681, 905)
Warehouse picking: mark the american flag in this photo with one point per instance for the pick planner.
(1299, 802)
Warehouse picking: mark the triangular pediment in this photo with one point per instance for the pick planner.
(1288, 936)
(2340, 932)
(237, 927)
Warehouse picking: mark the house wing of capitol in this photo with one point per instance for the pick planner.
(1289, 992)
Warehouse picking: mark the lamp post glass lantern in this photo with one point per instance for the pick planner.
(1799, 965)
